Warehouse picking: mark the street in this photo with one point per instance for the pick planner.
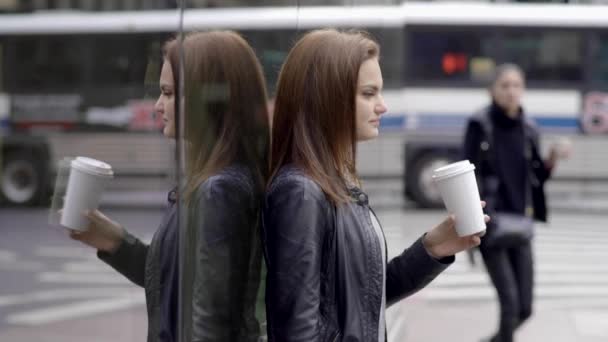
(55, 289)
(571, 286)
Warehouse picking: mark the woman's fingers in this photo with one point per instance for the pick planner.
(449, 231)
(94, 215)
(475, 240)
(483, 204)
(98, 218)
(448, 223)
(451, 221)
(487, 218)
(75, 234)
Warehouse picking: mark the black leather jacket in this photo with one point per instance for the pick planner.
(324, 280)
(478, 150)
(222, 261)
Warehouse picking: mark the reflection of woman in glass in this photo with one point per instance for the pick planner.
(328, 277)
(226, 133)
(511, 182)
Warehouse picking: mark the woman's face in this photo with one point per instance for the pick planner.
(368, 100)
(507, 91)
(165, 105)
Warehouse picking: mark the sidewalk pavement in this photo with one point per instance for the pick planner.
(121, 326)
(418, 320)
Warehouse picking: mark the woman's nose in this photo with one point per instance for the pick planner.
(158, 106)
(381, 108)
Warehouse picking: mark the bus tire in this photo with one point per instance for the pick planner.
(419, 179)
(23, 178)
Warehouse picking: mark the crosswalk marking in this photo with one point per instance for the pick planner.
(472, 279)
(82, 278)
(74, 310)
(569, 265)
(63, 294)
(571, 235)
(570, 246)
(476, 293)
(88, 287)
(26, 266)
(545, 267)
(6, 256)
(591, 323)
(592, 240)
(92, 266)
(68, 252)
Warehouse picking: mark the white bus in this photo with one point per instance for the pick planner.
(78, 80)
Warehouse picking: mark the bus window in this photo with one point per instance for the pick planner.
(271, 47)
(391, 54)
(121, 59)
(448, 55)
(546, 56)
(50, 61)
(600, 61)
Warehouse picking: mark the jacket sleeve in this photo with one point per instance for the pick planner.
(225, 224)
(129, 259)
(471, 143)
(411, 271)
(541, 168)
(294, 221)
(487, 181)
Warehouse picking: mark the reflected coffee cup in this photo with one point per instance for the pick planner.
(458, 188)
(86, 182)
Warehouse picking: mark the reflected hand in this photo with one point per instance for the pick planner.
(561, 149)
(102, 233)
(443, 241)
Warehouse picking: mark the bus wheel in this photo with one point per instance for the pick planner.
(420, 180)
(21, 181)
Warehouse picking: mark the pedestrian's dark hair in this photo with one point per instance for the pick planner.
(314, 125)
(502, 69)
(225, 105)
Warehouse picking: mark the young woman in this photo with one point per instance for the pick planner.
(512, 183)
(328, 276)
(226, 136)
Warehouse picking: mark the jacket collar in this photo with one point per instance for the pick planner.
(172, 196)
(358, 195)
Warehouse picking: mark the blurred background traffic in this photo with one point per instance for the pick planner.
(80, 78)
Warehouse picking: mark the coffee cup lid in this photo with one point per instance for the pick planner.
(93, 166)
(453, 169)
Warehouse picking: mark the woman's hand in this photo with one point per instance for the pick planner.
(443, 241)
(102, 233)
(561, 149)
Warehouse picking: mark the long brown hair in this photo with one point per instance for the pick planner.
(226, 113)
(314, 125)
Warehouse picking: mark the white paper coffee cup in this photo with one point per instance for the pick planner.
(458, 188)
(86, 183)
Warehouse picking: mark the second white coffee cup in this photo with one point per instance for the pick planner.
(86, 182)
(458, 188)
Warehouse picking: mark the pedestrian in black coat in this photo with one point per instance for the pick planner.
(506, 176)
